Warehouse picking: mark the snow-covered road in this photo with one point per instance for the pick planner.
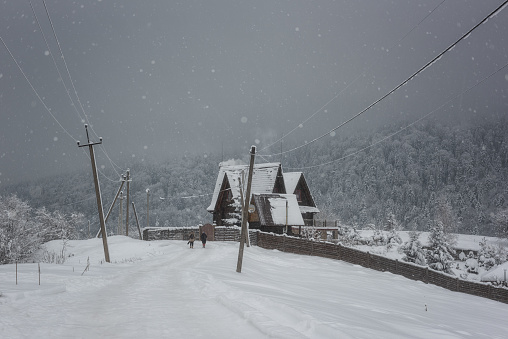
(163, 289)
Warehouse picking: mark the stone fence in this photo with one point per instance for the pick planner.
(220, 233)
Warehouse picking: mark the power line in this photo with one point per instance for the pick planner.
(437, 57)
(354, 80)
(406, 127)
(103, 149)
(35, 91)
(54, 62)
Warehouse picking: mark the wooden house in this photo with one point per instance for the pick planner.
(266, 179)
(277, 213)
(296, 184)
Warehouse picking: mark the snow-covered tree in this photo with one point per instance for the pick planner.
(393, 239)
(490, 255)
(55, 225)
(413, 250)
(439, 254)
(19, 233)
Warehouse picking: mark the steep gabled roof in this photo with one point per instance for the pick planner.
(291, 180)
(271, 209)
(263, 180)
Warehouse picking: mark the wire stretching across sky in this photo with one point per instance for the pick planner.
(35, 91)
(406, 127)
(71, 81)
(75, 91)
(354, 80)
(428, 64)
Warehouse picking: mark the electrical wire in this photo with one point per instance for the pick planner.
(35, 91)
(103, 149)
(406, 127)
(56, 66)
(428, 64)
(354, 80)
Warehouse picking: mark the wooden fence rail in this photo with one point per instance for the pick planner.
(379, 263)
(337, 251)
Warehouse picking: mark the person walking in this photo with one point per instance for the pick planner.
(203, 238)
(191, 240)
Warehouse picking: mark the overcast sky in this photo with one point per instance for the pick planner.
(160, 78)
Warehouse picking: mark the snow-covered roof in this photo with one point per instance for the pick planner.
(496, 274)
(291, 180)
(308, 209)
(263, 180)
(272, 209)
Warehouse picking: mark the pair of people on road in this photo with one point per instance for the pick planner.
(191, 239)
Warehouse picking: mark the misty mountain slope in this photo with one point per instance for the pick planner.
(427, 172)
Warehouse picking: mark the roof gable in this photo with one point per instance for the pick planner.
(264, 178)
(291, 181)
(296, 181)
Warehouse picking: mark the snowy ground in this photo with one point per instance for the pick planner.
(162, 289)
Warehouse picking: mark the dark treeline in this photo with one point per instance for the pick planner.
(428, 171)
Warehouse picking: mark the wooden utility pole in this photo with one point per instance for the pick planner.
(245, 211)
(116, 197)
(97, 192)
(243, 206)
(137, 222)
(127, 208)
(120, 215)
(147, 207)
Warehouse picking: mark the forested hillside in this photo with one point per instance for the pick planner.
(427, 172)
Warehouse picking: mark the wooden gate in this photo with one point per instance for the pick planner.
(209, 229)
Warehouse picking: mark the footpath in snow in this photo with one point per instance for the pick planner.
(164, 289)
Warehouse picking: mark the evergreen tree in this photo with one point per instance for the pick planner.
(439, 255)
(413, 250)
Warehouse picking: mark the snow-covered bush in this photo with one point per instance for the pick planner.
(490, 255)
(349, 235)
(413, 250)
(472, 265)
(462, 256)
(393, 239)
(22, 231)
(378, 239)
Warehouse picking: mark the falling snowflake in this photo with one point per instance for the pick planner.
(244, 120)
(55, 138)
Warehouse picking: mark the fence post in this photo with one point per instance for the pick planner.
(368, 259)
(339, 251)
(284, 243)
(311, 246)
(427, 274)
(457, 287)
(396, 266)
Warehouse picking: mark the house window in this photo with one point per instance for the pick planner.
(298, 194)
